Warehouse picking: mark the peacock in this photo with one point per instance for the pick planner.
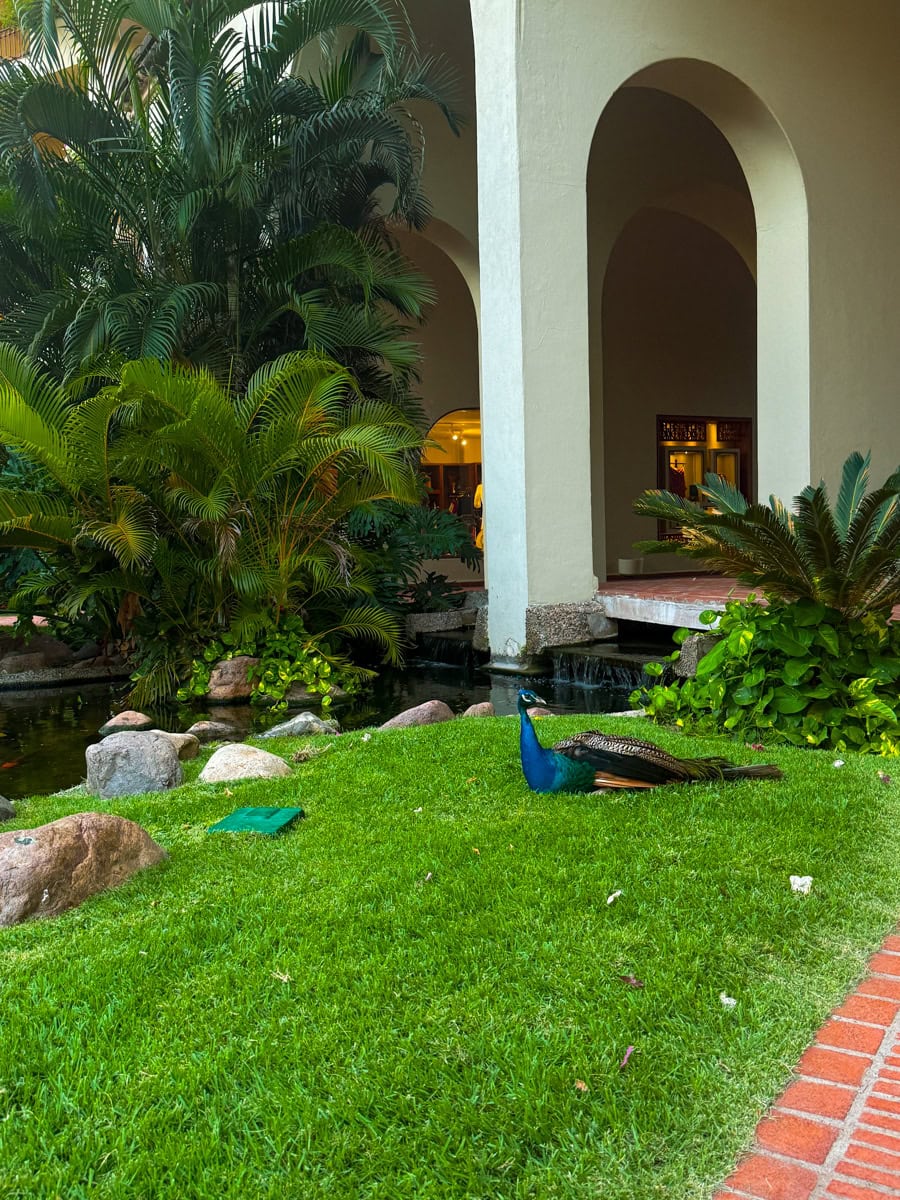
(597, 762)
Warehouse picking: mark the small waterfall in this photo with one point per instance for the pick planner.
(600, 666)
(452, 647)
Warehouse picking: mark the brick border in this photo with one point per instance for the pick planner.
(834, 1132)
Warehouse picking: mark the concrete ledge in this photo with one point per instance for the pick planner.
(57, 676)
(680, 613)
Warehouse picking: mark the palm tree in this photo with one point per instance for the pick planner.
(181, 510)
(846, 557)
(169, 188)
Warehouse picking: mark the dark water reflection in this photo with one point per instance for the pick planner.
(44, 733)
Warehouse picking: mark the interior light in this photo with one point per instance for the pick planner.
(463, 442)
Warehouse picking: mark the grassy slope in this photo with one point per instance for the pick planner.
(429, 1037)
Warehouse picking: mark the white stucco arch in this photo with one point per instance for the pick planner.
(449, 371)
(775, 247)
(778, 193)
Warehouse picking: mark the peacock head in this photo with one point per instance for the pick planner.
(527, 698)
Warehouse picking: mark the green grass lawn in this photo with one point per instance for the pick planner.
(396, 998)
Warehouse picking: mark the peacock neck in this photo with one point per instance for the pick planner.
(538, 764)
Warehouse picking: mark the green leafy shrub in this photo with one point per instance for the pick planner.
(181, 509)
(845, 555)
(288, 654)
(792, 672)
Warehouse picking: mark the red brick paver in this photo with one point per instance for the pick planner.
(834, 1133)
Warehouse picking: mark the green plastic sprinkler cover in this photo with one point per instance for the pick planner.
(269, 821)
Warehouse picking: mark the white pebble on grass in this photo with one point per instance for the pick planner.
(801, 884)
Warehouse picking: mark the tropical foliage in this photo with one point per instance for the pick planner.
(845, 557)
(795, 672)
(180, 512)
(169, 188)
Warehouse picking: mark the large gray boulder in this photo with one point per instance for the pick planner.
(429, 713)
(303, 725)
(240, 761)
(126, 764)
(7, 809)
(230, 680)
(483, 709)
(46, 870)
(128, 721)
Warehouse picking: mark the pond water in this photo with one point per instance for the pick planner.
(44, 733)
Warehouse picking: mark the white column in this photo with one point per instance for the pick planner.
(534, 341)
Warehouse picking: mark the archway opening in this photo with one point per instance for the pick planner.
(698, 299)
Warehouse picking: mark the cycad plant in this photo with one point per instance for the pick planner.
(171, 186)
(181, 511)
(846, 557)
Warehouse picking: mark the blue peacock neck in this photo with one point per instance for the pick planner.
(538, 764)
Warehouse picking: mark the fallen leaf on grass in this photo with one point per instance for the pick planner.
(727, 1001)
(884, 777)
(428, 879)
(754, 745)
(838, 762)
(367, 737)
(282, 976)
(611, 899)
(801, 884)
(228, 792)
(628, 1053)
(418, 810)
(475, 850)
(581, 1085)
(632, 981)
(472, 779)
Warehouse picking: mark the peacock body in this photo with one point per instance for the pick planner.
(596, 762)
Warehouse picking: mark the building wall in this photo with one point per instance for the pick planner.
(827, 73)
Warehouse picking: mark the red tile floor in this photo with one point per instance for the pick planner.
(834, 1133)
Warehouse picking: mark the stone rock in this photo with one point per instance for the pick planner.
(240, 761)
(213, 731)
(437, 622)
(87, 651)
(229, 679)
(476, 598)
(127, 764)
(55, 867)
(7, 809)
(126, 722)
(693, 648)
(480, 635)
(429, 713)
(538, 711)
(300, 697)
(303, 725)
(37, 653)
(186, 744)
(484, 709)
